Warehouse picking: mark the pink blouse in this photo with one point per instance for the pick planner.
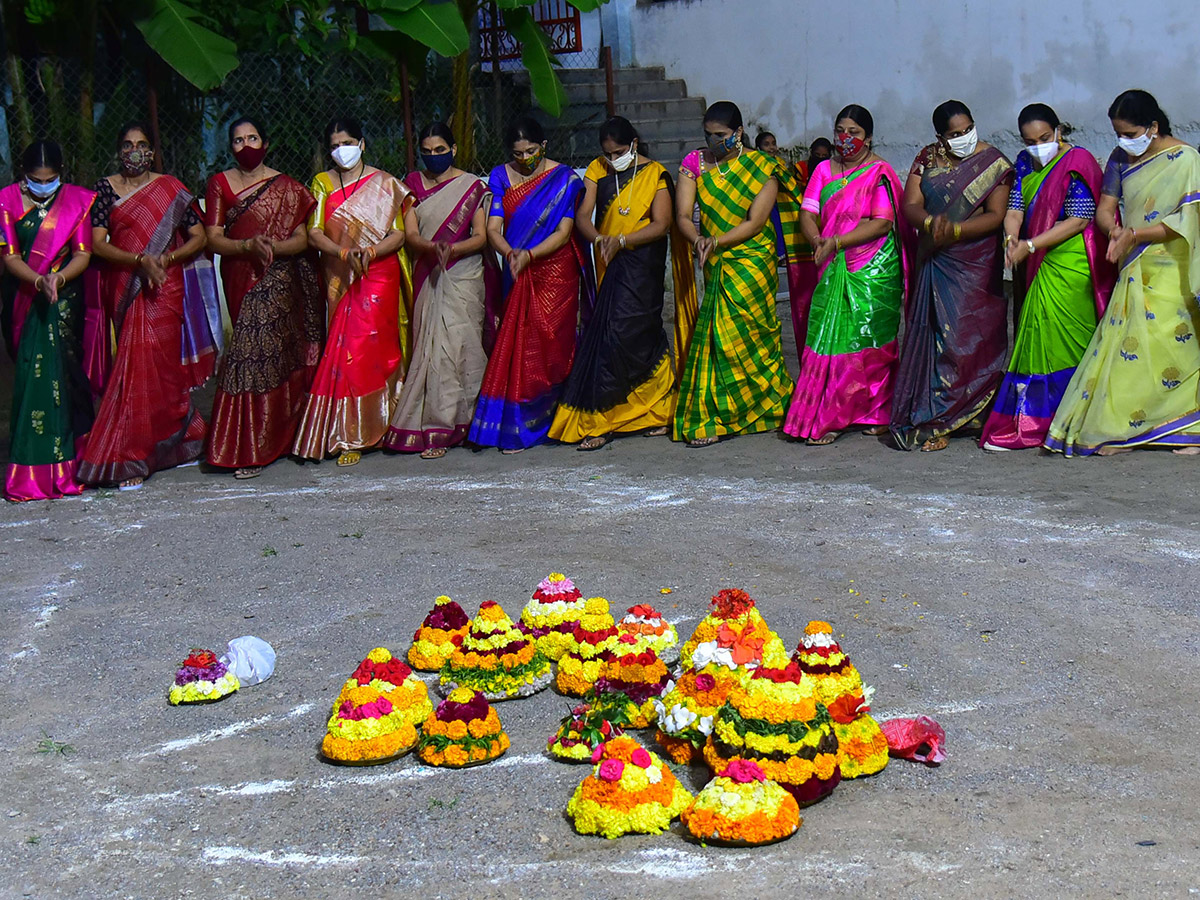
(836, 219)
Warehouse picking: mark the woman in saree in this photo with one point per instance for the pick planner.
(163, 309)
(256, 219)
(358, 225)
(733, 380)
(1061, 280)
(531, 226)
(47, 245)
(1138, 381)
(456, 284)
(801, 269)
(851, 215)
(623, 380)
(956, 327)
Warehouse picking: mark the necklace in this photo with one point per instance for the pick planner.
(624, 210)
(722, 172)
(41, 205)
(357, 182)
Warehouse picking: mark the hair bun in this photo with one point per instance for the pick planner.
(1065, 129)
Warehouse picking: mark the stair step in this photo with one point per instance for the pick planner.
(626, 92)
(620, 75)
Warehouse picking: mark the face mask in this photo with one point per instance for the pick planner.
(42, 191)
(721, 145)
(347, 156)
(529, 163)
(1043, 153)
(1135, 146)
(964, 145)
(250, 158)
(849, 146)
(625, 160)
(136, 160)
(437, 163)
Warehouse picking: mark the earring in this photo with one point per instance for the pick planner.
(738, 144)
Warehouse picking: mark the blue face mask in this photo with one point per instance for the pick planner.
(721, 145)
(437, 163)
(42, 191)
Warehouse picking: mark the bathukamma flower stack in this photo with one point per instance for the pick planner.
(463, 731)
(439, 636)
(742, 806)
(551, 614)
(202, 679)
(629, 791)
(496, 659)
(591, 646)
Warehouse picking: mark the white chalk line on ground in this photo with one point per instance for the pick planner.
(218, 734)
(943, 709)
(225, 854)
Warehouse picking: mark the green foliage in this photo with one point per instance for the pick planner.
(48, 745)
(197, 53)
(438, 26)
(538, 61)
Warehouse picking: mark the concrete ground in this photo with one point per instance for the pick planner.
(1043, 610)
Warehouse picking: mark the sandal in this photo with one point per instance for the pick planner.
(433, 453)
(655, 432)
(248, 472)
(512, 451)
(349, 458)
(825, 440)
(131, 484)
(876, 430)
(935, 443)
(593, 443)
(703, 442)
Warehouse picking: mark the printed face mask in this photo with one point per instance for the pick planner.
(529, 163)
(347, 156)
(626, 159)
(42, 191)
(849, 146)
(437, 163)
(964, 145)
(721, 145)
(1043, 153)
(1135, 146)
(136, 160)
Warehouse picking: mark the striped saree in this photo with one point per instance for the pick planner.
(734, 380)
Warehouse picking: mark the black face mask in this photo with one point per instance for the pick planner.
(437, 163)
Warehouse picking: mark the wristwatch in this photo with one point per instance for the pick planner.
(1029, 246)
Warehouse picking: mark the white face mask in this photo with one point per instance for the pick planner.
(1043, 153)
(347, 156)
(1135, 146)
(626, 159)
(964, 145)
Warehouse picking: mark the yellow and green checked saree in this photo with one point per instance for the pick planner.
(734, 380)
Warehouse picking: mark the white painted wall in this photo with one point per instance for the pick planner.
(792, 65)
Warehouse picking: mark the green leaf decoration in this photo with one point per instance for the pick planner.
(438, 26)
(587, 5)
(201, 56)
(538, 61)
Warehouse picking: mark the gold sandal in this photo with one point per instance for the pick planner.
(349, 458)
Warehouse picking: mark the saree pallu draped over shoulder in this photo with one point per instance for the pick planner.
(278, 325)
(1139, 378)
(166, 344)
(623, 379)
(849, 355)
(358, 381)
(449, 359)
(734, 380)
(535, 346)
(52, 400)
(956, 329)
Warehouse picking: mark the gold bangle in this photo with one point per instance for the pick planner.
(622, 242)
(37, 282)
(137, 260)
(837, 244)
(957, 231)
(925, 224)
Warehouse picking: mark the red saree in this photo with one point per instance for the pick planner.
(146, 420)
(358, 380)
(277, 325)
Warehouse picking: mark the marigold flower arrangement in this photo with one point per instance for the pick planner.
(551, 614)
(733, 633)
(201, 679)
(394, 680)
(652, 631)
(365, 727)
(464, 730)
(742, 806)
(592, 643)
(440, 634)
(776, 721)
(496, 659)
(588, 726)
(630, 791)
(687, 709)
(636, 672)
(838, 684)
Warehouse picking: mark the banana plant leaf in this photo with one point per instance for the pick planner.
(200, 55)
(439, 26)
(538, 60)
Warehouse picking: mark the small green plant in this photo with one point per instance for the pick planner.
(34, 839)
(443, 804)
(48, 745)
(353, 534)
(269, 551)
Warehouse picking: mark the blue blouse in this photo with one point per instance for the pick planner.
(1080, 203)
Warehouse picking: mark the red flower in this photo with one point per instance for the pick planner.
(732, 603)
(640, 758)
(611, 769)
(200, 659)
(705, 682)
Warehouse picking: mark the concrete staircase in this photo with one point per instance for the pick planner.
(667, 119)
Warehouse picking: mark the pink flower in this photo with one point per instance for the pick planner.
(705, 682)
(597, 753)
(640, 758)
(743, 771)
(611, 769)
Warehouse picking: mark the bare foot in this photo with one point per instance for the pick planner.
(703, 442)
(1112, 451)
(825, 440)
(655, 432)
(1186, 451)
(934, 444)
(433, 453)
(876, 430)
(248, 472)
(592, 443)
(512, 451)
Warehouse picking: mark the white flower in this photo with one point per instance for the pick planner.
(654, 774)
(868, 693)
(705, 725)
(729, 798)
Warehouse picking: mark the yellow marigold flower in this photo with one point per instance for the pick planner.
(557, 576)
(596, 606)
(455, 756)
(461, 695)
(818, 627)
(379, 655)
(442, 600)
(457, 730)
